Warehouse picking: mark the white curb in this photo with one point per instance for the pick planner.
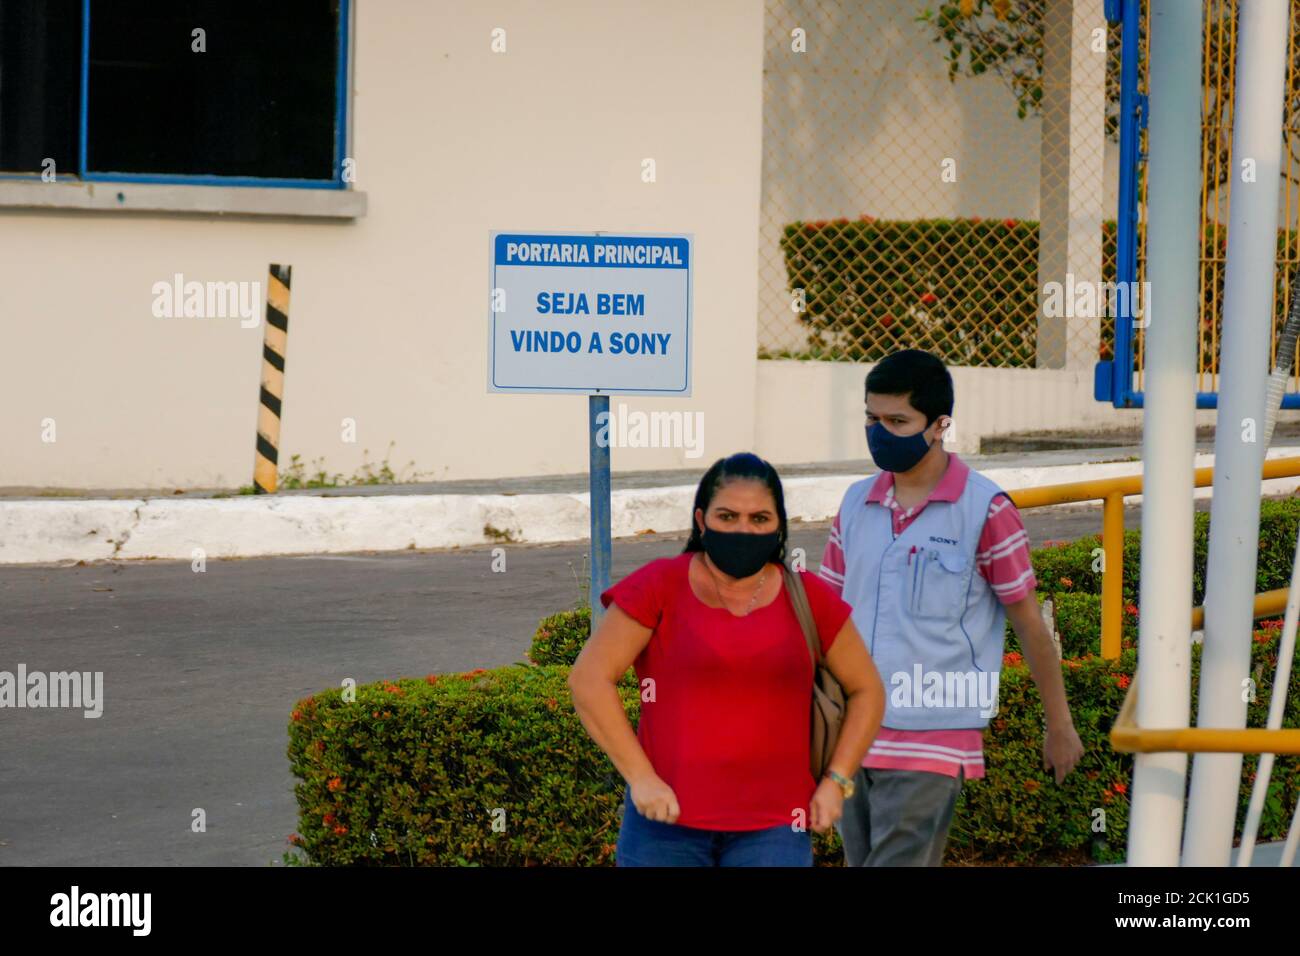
(39, 531)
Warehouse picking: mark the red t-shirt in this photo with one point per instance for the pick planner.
(728, 728)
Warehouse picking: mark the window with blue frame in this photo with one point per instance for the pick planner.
(218, 92)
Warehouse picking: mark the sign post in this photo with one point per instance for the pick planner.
(591, 314)
(601, 545)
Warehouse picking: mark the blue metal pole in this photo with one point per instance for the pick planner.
(601, 551)
(1131, 105)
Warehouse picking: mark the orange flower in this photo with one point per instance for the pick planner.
(1131, 609)
(296, 716)
(1066, 582)
(1122, 680)
(340, 830)
(1032, 785)
(335, 784)
(1119, 787)
(1012, 658)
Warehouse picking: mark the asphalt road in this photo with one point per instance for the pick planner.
(201, 671)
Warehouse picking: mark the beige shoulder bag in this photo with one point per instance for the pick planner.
(827, 694)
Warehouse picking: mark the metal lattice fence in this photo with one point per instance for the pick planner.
(910, 152)
(1219, 60)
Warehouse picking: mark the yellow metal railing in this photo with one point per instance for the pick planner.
(1126, 736)
(1112, 492)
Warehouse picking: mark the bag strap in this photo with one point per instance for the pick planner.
(799, 600)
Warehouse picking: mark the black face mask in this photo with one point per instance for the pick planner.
(739, 553)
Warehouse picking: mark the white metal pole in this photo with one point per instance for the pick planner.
(1262, 30)
(1168, 426)
(1276, 709)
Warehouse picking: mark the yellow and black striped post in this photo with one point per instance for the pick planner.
(275, 343)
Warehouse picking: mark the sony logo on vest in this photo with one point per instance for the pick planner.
(939, 540)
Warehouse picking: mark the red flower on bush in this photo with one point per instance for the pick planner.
(1272, 624)
(1067, 582)
(886, 320)
(432, 679)
(929, 298)
(1131, 609)
(335, 784)
(1032, 785)
(296, 716)
(1119, 788)
(976, 219)
(328, 819)
(1122, 681)
(1012, 658)
(295, 840)
(1010, 223)
(340, 830)
(1107, 796)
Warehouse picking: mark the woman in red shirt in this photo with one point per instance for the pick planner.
(717, 770)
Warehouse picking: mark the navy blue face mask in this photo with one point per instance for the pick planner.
(893, 452)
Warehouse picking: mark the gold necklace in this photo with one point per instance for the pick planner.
(754, 597)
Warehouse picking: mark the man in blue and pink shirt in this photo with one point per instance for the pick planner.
(933, 558)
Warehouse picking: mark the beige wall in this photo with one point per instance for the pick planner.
(388, 314)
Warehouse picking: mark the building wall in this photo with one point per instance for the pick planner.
(387, 323)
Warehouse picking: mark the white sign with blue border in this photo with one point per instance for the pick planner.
(590, 313)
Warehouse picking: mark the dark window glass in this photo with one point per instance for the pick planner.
(40, 78)
(259, 102)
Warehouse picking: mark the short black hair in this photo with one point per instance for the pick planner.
(920, 376)
(742, 465)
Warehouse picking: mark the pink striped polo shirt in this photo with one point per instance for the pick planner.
(1002, 557)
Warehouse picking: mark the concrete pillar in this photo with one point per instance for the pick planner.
(1071, 178)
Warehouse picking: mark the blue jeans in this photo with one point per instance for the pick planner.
(645, 842)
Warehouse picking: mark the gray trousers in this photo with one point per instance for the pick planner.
(898, 817)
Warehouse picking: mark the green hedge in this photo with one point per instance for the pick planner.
(411, 772)
(1068, 568)
(560, 636)
(964, 289)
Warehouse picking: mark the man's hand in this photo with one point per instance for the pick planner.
(1062, 749)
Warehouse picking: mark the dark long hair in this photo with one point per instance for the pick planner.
(742, 465)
